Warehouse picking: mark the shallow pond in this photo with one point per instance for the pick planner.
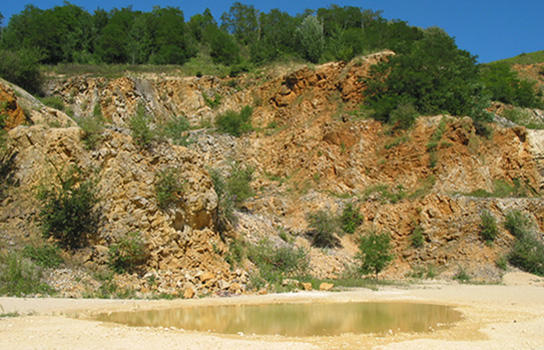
(296, 320)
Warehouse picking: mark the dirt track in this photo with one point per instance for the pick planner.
(509, 316)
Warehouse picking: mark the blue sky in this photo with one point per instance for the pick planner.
(490, 29)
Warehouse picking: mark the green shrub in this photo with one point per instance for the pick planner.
(236, 253)
(351, 218)
(433, 74)
(22, 68)
(168, 187)
(67, 211)
(522, 117)
(128, 254)
(528, 251)
(503, 84)
(392, 196)
(19, 277)
(46, 255)
(54, 102)
(417, 237)
(323, 228)
(225, 206)
(488, 227)
(142, 134)
(213, 104)
(234, 123)
(528, 254)
(517, 223)
(404, 116)
(92, 128)
(375, 252)
(175, 130)
(232, 191)
(277, 262)
(238, 184)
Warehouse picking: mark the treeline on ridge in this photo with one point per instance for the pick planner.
(430, 73)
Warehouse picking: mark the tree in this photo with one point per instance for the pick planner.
(242, 21)
(22, 68)
(113, 45)
(172, 41)
(434, 76)
(374, 252)
(199, 25)
(277, 33)
(323, 227)
(67, 211)
(223, 48)
(504, 85)
(310, 38)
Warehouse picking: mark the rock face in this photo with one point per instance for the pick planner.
(310, 151)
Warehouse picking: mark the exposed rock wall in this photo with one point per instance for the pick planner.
(312, 149)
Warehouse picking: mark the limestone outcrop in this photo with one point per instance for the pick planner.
(311, 148)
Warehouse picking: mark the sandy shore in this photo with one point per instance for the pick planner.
(508, 316)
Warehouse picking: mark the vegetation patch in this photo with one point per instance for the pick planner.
(67, 210)
(92, 127)
(416, 238)
(234, 123)
(46, 255)
(375, 252)
(128, 254)
(176, 130)
(276, 262)
(528, 250)
(168, 187)
(523, 117)
(503, 84)
(488, 227)
(392, 196)
(503, 189)
(323, 229)
(20, 277)
(351, 218)
(139, 125)
(232, 190)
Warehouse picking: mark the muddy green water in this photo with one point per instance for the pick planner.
(296, 320)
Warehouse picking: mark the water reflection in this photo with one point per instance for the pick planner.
(296, 319)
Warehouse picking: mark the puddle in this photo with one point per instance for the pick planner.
(296, 320)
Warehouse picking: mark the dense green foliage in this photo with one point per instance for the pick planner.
(488, 227)
(128, 253)
(19, 277)
(416, 237)
(374, 252)
(351, 218)
(168, 187)
(323, 227)
(45, 255)
(20, 66)
(139, 124)
(67, 211)
(234, 123)
(277, 262)
(434, 76)
(528, 250)
(311, 39)
(232, 190)
(70, 34)
(504, 85)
